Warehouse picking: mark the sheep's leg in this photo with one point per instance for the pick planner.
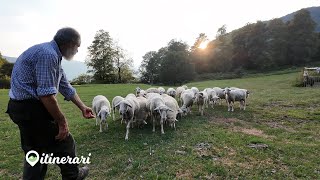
(161, 123)
(97, 121)
(229, 106)
(100, 126)
(113, 113)
(128, 127)
(154, 123)
(106, 127)
(202, 108)
(244, 105)
(232, 106)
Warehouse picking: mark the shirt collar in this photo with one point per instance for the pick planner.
(56, 48)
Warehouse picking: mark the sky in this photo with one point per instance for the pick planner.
(138, 26)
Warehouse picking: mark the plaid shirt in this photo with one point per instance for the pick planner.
(38, 72)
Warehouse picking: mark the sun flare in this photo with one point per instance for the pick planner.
(203, 45)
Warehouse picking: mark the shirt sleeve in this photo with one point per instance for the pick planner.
(45, 69)
(65, 87)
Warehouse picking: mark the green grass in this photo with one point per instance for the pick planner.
(284, 117)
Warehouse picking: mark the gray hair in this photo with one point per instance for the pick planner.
(66, 35)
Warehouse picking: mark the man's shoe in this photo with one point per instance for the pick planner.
(83, 173)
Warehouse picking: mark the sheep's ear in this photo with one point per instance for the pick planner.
(128, 104)
(176, 120)
(99, 114)
(155, 109)
(117, 104)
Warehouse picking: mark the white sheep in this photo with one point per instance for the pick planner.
(220, 93)
(138, 89)
(187, 99)
(128, 108)
(212, 96)
(156, 106)
(152, 90)
(171, 92)
(185, 86)
(143, 113)
(236, 95)
(201, 100)
(173, 105)
(195, 90)
(101, 107)
(179, 91)
(115, 101)
(161, 90)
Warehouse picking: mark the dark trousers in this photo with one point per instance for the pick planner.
(37, 132)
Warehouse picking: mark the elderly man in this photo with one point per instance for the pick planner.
(36, 78)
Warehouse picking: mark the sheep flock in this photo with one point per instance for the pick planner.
(164, 108)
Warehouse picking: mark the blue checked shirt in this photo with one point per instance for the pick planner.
(38, 72)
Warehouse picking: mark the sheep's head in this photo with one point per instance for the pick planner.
(104, 113)
(162, 111)
(215, 99)
(124, 107)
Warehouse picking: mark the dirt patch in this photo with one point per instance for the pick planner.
(226, 121)
(280, 126)
(184, 174)
(252, 131)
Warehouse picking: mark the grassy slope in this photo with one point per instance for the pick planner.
(285, 118)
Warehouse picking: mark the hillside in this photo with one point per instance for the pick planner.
(276, 137)
(72, 68)
(315, 15)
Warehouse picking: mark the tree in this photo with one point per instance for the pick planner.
(301, 42)
(82, 79)
(122, 64)
(199, 56)
(150, 66)
(101, 57)
(175, 64)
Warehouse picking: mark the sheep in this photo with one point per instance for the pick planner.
(151, 95)
(179, 91)
(171, 92)
(187, 98)
(115, 101)
(212, 97)
(152, 90)
(236, 95)
(220, 93)
(201, 100)
(195, 90)
(101, 107)
(142, 115)
(173, 105)
(138, 89)
(161, 90)
(156, 106)
(128, 108)
(185, 86)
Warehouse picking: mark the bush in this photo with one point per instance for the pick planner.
(81, 79)
(5, 82)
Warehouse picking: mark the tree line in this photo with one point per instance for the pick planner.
(260, 46)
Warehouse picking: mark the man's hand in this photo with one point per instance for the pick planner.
(63, 131)
(87, 112)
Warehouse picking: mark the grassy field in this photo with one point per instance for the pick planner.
(215, 146)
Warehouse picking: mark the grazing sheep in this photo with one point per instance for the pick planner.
(173, 105)
(161, 90)
(201, 100)
(142, 115)
(195, 90)
(212, 97)
(220, 93)
(101, 107)
(236, 95)
(156, 106)
(171, 92)
(187, 98)
(151, 95)
(152, 90)
(128, 108)
(115, 101)
(179, 91)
